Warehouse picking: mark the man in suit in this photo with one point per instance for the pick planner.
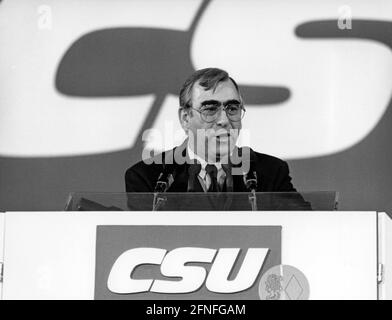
(211, 110)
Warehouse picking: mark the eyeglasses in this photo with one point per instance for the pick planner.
(209, 111)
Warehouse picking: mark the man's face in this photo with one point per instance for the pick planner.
(215, 140)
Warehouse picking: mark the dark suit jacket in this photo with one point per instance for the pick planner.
(272, 175)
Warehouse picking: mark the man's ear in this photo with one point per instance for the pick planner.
(183, 115)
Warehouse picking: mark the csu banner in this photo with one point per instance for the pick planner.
(184, 262)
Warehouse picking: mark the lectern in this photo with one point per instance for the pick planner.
(200, 246)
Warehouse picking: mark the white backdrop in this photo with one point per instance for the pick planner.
(339, 89)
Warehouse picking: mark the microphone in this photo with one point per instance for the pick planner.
(165, 179)
(250, 178)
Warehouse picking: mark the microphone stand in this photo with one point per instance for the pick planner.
(250, 180)
(159, 201)
(160, 188)
(253, 199)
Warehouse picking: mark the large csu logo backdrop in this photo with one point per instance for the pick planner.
(81, 82)
(151, 262)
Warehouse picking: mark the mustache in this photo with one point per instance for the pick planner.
(220, 133)
(223, 134)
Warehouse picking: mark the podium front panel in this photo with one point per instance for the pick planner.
(52, 255)
(385, 256)
(2, 229)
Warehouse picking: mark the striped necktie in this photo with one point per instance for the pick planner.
(212, 172)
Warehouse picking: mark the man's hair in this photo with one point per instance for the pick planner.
(208, 78)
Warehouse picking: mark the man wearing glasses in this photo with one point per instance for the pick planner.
(211, 110)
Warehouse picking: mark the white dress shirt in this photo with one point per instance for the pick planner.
(204, 177)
